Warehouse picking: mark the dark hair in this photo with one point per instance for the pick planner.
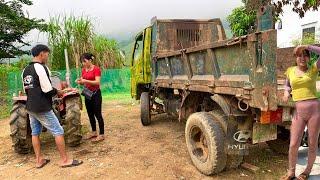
(305, 52)
(87, 56)
(36, 50)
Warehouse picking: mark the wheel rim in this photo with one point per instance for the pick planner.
(199, 144)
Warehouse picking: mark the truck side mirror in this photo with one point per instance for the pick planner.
(137, 46)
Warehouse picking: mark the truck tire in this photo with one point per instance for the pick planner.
(20, 129)
(281, 144)
(233, 160)
(205, 142)
(145, 109)
(72, 126)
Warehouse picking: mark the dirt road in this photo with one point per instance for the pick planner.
(129, 152)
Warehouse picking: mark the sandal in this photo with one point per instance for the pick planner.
(287, 177)
(89, 136)
(46, 161)
(73, 164)
(303, 176)
(98, 139)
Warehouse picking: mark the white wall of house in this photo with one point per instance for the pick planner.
(293, 25)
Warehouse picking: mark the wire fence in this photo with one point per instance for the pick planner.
(115, 83)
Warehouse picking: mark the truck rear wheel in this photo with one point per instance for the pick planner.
(145, 109)
(205, 142)
(281, 144)
(20, 129)
(233, 160)
(73, 121)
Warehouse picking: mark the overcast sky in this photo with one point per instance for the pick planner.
(116, 18)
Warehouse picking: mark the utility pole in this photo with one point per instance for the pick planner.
(67, 67)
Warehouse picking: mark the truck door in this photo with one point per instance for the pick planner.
(141, 63)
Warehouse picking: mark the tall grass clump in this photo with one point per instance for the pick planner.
(107, 52)
(71, 33)
(76, 35)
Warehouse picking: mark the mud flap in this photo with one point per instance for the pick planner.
(263, 132)
(237, 140)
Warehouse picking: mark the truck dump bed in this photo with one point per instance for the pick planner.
(195, 56)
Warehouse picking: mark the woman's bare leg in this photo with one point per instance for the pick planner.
(296, 132)
(313, 135)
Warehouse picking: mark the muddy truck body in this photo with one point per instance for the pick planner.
(228, 91)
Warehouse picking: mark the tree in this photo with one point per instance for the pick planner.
(300, 7)
(243, 18)
(14, 25)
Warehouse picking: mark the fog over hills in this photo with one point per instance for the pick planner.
(122, 19)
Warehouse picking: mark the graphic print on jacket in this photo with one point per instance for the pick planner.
(28, 82)
(37, 85)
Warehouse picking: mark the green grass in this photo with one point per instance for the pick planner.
(123, 98)
(270, 168)
(5, 112)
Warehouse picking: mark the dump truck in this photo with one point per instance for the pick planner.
(228, 91)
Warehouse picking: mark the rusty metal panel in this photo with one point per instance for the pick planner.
(174, 35)
(243, 66)
(178, 66)
(264, 132)
(234, 60)
(264, 73)
(201, 64)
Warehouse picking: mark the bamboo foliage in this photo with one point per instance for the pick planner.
(107, 52)
(76, 35)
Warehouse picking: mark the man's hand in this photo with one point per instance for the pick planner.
(60, 92)
(66, 90)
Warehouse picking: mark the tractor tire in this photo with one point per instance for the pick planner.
(145, 109)
(20, 129)
(233, 160)
(205, 142)
(281, 144)
(72, 121)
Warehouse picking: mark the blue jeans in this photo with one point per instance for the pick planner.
(47, 119)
